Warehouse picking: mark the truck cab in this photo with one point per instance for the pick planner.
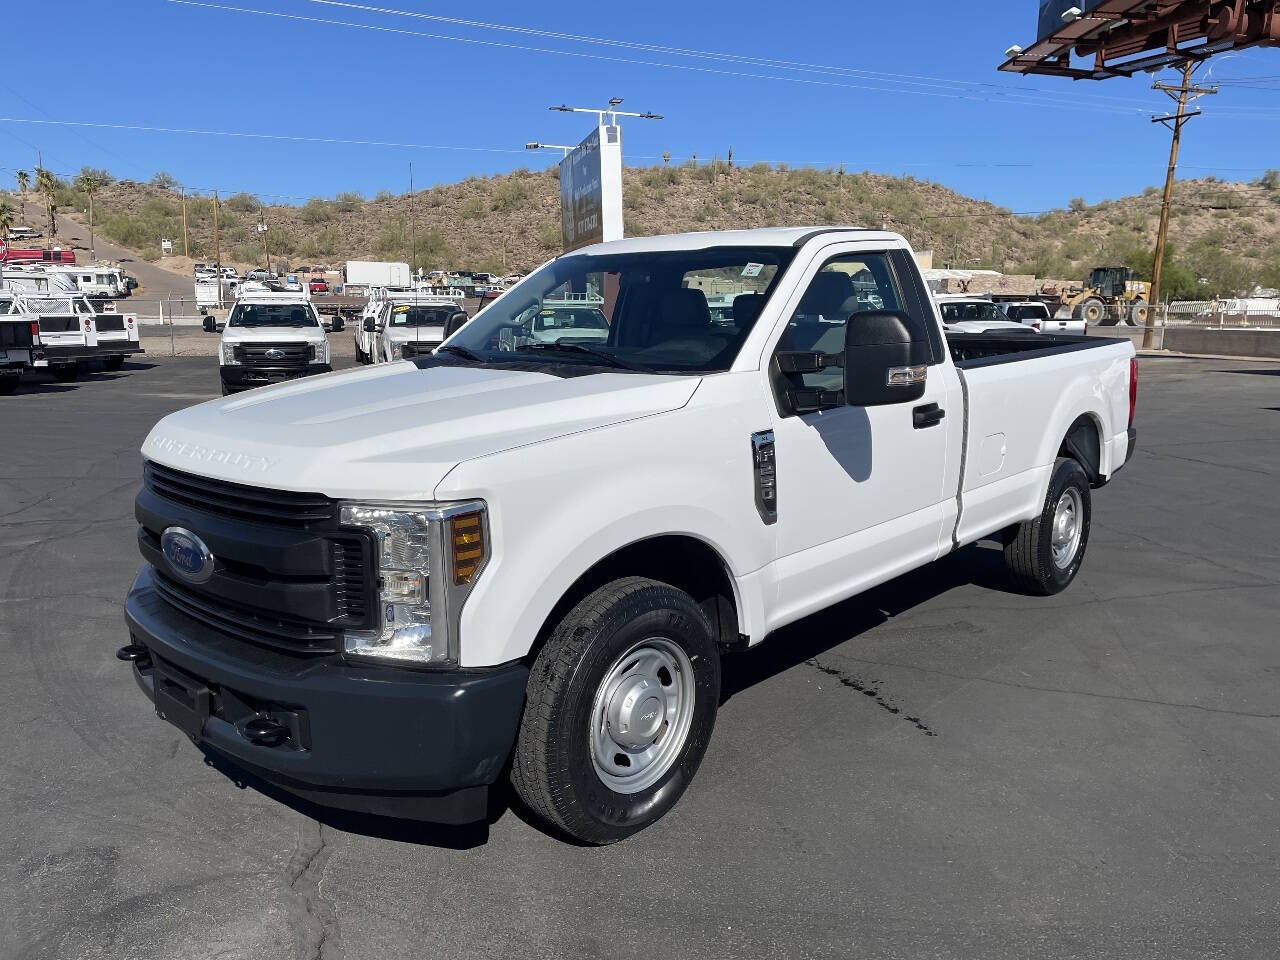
(409, 325)
(270, 338)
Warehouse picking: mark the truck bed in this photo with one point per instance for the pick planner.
(973, 350)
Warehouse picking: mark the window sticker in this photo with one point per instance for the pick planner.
(752, 269)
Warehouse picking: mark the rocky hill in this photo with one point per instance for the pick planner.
(1225, 236)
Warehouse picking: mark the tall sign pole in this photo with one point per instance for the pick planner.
(1184, 93)
(217, 247)
(591, 179)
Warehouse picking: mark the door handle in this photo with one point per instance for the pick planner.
(930, 415)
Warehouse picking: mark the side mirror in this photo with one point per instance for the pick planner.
(339, 324)
(370, 325)
(210, 325)
(454, 324)
(878, 362)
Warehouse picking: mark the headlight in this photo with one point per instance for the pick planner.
(428, 558)
(229, 355)
(321, 354)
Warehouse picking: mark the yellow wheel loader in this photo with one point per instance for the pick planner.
(1111, 295)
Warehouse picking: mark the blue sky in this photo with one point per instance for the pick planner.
(945, 115)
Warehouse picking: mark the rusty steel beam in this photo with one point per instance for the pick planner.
(1117, 33)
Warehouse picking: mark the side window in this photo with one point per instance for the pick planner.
(847, 284)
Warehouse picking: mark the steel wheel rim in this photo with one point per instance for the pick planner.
(1068, 527)
(641, 715)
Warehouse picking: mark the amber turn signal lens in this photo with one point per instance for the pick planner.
(467, 534)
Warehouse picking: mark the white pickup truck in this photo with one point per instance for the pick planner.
(20, 348)
(384, 589)
(270, 338)
(67, 325)
(411, 324)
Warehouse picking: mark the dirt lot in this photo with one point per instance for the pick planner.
(940, 768)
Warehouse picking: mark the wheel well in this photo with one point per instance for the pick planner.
(1083, 445)
(683, 562)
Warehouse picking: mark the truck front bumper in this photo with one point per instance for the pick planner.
(243, 377)
(377, 739)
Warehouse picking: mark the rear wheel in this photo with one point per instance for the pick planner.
(1139, 312)
(621, 704)
(65, 372)
(114, 362)
(1044, 555)
(9, 382)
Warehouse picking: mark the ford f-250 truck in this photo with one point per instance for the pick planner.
(384, 589)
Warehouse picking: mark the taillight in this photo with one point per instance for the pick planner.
(87, 321)
(35, 329)
(1133, 387)
(1036, 326)
(129, 320)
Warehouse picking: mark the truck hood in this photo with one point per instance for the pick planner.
(393, 431)
(428, 334)
(272, 334)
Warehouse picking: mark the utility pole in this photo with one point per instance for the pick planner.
(186, 251)
(266, 250)
(1184, 93)
(93, 251)
(217, 247)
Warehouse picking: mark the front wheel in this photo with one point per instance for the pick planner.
(1043, 555)
(620, 707)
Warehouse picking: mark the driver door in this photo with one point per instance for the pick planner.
(859, 489)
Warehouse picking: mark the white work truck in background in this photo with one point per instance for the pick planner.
(270, 337)
(408, 325)
(359, 277)
(529, 553)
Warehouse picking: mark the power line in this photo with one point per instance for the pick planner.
(1001, 97)
(772, 63)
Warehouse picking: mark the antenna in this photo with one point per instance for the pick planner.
(413, 233)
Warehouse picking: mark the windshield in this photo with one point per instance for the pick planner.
(1028, 311)
(411, 315)
(647, 311)
(974, 310)
(272, 315)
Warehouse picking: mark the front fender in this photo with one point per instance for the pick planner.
(559, 507)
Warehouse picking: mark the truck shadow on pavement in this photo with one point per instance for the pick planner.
(979, 565)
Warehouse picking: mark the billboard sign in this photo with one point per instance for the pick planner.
(1051, 12)
(591, 189)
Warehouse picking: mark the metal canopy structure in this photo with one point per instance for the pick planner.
(1124, 37)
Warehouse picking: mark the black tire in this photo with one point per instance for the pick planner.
(1029, 547)
(360, 358)
(1094, 312)
(114, 362)
(227, 391)
(553, 770)
(65, 372)
(9, 383)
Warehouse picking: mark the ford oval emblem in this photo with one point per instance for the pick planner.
(275, 353)
(188, 557)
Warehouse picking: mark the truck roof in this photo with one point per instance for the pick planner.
(271, 296)
(762, 237)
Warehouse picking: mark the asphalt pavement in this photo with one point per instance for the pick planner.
(938, 769)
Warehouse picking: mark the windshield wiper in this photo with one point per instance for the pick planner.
(461, 351)
(608, 359)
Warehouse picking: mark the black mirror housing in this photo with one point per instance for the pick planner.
(878, 368)
(370, 325)
(338, 324)
(210, 325)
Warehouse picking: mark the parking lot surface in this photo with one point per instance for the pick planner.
(940, 768)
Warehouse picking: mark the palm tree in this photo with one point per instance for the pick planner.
(6, 217)
(24, 180)
(45, 185)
